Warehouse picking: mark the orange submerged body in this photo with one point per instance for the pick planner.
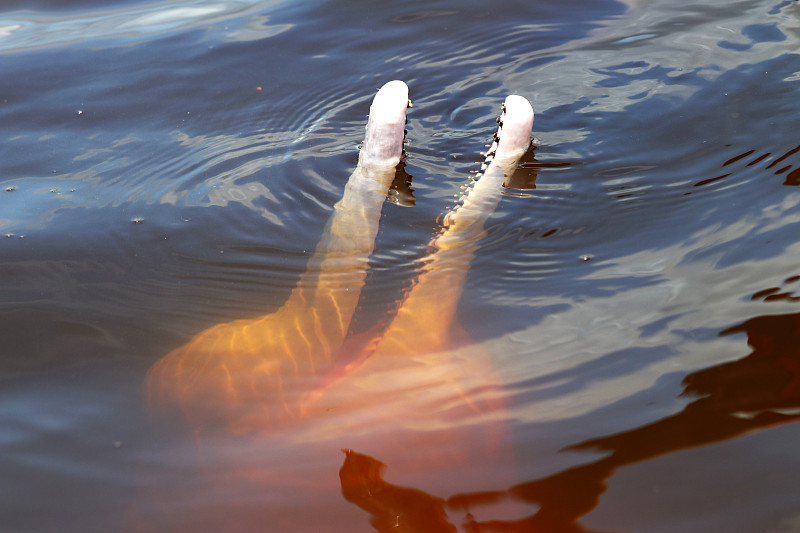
(252, 387)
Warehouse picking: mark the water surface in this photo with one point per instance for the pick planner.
(165, 167)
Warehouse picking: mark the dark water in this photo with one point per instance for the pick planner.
(165, 167)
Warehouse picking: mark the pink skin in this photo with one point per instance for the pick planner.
(465, 223)
(383, 144)
(515, 130)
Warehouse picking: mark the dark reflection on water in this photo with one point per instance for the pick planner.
(759, 391)
(168, 166)
(756, 392)
(390, 506)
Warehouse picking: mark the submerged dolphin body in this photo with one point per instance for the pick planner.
(238, 372)
(409, 400)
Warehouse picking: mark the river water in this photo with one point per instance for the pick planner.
(169, 166)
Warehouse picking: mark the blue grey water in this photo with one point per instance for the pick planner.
(166, 166)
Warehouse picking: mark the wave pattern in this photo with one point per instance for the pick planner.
(170, 166)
